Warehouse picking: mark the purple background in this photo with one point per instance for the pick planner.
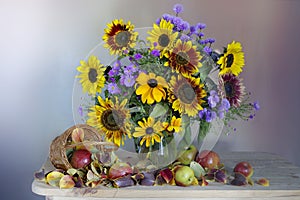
(42, 42)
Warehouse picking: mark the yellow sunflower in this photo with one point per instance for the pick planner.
(149, 130)
(184, 58)
(175, 124)
(119, 36)
(233, 59)
(186, 95)
(91, 75)
(151, 87)
(162, 37)
(111, 118)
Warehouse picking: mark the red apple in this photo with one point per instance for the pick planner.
(244, 168)
(119, 169)
(208, 159)
(80, 158)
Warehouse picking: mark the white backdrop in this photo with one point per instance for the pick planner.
(42, 42)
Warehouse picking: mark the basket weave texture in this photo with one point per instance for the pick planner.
(57, 154)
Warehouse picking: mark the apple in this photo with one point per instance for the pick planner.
(244, 168)
(184, 176)
(119, 169)
(187, 155)
(80, 158)
(208, 159)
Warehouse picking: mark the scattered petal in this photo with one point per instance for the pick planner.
(53, 178)
(66, 182)
(263, 182)
(124, 181)
(167, 175)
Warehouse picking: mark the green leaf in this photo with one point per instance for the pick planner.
(203, 130)
(159, 110)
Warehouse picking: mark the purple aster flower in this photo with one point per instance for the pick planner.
(207, 50)
(177, 21)
(167, 17)
(138, 56)
(158, 21)
(203, 42)
(154, 44)
(117, 64)
(112, 79)
(192, 29)
(256, 105)
(178, 8)
(208, 115)
(183, 26)
(200, 34)
(211, 40)
(113, 88)
(127, 80)
(185, 38)
(201, 26)
(155, 52)
(129, 69)
(225, 105)
(213, 99)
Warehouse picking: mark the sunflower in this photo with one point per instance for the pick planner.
(186, 95)
(111, 118)
(119, 36)
(162, 37)
(92, 75)
(151, 87)
(184, 58)
(149, 130)
(231, 88)
(233, 59)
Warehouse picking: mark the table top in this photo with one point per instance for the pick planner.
(284, 182)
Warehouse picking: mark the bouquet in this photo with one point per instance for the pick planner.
(163, 80)
(162, 89)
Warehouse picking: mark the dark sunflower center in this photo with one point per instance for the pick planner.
(229, 90)
(229, 60)
(182, 58)
(122, 38)
(186, 93)
(163, 40)
(111, 120)
(149, 130)
(152, 83)
(93, 75)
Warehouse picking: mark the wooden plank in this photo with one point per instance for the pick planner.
(284, 183)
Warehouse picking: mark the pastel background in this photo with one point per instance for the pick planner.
(42, 42)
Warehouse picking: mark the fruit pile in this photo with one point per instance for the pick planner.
(89, 169)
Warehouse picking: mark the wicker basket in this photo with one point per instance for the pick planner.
(57, 154)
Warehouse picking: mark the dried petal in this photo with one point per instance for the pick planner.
(91, 176)
(66, 182)
(53, 178)
(148, 179)
(220, 176)
(239, 180)
(137, 177)
(198, 169)
(78, 135)
(203, 181)
(78, 182)
(160, 180)
(167, 175)
(264, 182)
(124, 181)
(195, 181)
(96, 167)
(40, 175)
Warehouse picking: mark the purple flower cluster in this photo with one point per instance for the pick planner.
(216, 108)
(125, 74)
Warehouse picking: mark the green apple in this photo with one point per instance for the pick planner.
(184, 176)
(188, 155)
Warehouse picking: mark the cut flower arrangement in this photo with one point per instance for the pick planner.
(164, 91)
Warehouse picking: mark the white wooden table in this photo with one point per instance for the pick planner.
(284, 184)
